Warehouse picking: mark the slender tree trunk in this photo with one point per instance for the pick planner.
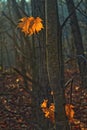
(55, 62)
(39, 68)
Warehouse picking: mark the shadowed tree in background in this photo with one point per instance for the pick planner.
(78, 41)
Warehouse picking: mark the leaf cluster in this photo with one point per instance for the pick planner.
(30, 25)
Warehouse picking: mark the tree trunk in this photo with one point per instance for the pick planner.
(55, 62)
(39, 68)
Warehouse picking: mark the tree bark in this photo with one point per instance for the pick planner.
(39, 69)
(55, 62)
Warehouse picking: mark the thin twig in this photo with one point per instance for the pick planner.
(68, 82)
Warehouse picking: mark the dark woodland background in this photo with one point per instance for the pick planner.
(53, 60)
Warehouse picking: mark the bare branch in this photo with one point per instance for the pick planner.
(70, 14)
(3, 13)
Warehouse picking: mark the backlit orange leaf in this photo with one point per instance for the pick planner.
(70, 112)
(52, 107)
(44, 104)
(30, 25)
(48, 111)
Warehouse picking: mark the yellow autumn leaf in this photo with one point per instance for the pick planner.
(51, 111)
(37, 26)
(30, 25)
(22, 23)
(44, 104)
(69, 112)
(25, 24)
(52, 107)
(48, 111)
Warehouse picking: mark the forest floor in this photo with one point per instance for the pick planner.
(15, 103)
